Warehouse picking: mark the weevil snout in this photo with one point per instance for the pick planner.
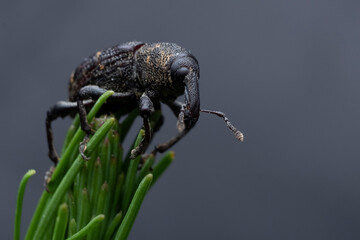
(185, 71)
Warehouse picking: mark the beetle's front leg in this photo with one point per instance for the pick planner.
(92, 92)
(146, 107)
(178, 110)
(165, 146)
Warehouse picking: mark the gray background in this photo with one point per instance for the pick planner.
(285, 72)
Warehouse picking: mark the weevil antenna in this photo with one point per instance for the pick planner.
(238, 135)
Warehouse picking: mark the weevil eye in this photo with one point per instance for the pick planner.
(178, 70)
(181, 72)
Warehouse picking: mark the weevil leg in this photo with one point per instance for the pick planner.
(82, 147)
(156, 121)
(82, 114)
(60, 109)
(176, 107)
(92, 92)
(146, 107)
(47, 178)
(145, 142)
(165, 146)
(178, 110)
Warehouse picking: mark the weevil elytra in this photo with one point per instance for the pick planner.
(142, 75)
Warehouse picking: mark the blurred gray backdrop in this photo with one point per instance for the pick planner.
(285, 72)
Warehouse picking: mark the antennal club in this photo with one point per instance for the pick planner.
(239, 136)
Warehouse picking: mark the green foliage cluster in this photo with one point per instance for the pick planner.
(98, 198)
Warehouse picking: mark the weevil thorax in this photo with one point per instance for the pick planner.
(153, 64)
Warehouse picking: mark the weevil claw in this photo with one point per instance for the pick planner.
(82, 147)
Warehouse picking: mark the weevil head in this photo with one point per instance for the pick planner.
(185, 72)
(168, 71)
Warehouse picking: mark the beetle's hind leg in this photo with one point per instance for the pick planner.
(60, 109)
(85, 127)
(92, 92)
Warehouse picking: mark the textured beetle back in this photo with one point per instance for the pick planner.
(110, 69)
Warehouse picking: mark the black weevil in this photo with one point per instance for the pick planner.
(141, 75)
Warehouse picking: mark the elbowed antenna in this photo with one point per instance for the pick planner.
(238, 135)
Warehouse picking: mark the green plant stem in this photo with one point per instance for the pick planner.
(70, 133)
(134, 208)
(108, 209)
(131, 175)
(163, 164)
(72, 205)
(84, 209)
(61, 222)
(95, 232)
(85, 230)
(82, 195)
(117, 194)
(69, 178)
(37, 215)
(72, 227)
(19, 203)
(146, 168)
(113, 225)
(97, 181)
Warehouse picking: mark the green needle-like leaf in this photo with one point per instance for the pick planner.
(104, 192)
(120, 160)
(90, 171)
(115, 146)
(162, 166)
(72, 205)
(70, 133)
(37, 215)
(117, 194)
(61, 222)
(85, 230)
(146, 168)
(136, 142)
(131, 175)
(97, 181)
(109, 185)
(113, 225)
(134, 208)
(84, 209)
(105, 158)
(69, 178)
(19, 203)
(50, 229)
(72, 227)
(81, 183)
(108, 209)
